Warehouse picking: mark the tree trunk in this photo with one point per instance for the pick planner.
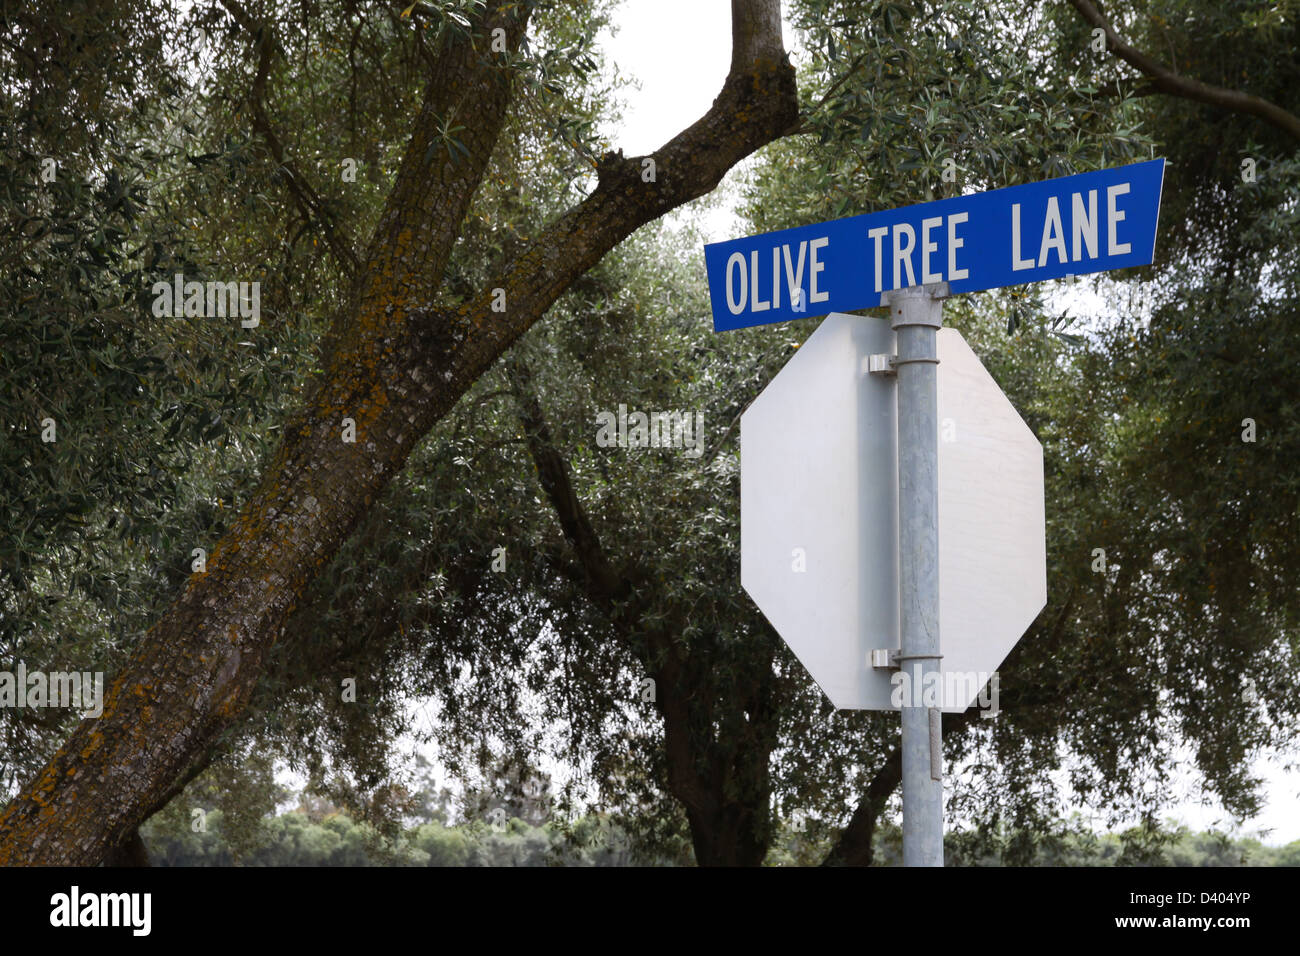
(399, 364)
(854, 846)
(723, 785)
(729, 837)
(130, 853)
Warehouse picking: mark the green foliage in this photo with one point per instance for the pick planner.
(899, 93)
(1190, 634)
(157, 422)
(162, 424)
(318, 834)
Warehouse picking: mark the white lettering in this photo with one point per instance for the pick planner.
(953, 245)
(876, 235)
(927, 247)
(1053, 234)
(1017, 264)
(737, 304)
(1085, 225)
(776, 277)
(794, 275)
(903, 255)
(814, 268)
(1113, 246)
(755, 303)
(74, 909)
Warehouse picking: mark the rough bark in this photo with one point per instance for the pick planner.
(397, 362)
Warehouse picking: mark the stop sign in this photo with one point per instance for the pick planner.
(819, 514)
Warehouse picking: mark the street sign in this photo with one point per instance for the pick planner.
(819, 515)
(891, 499)
(1090, 222)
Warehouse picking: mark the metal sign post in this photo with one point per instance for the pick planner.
(916, 315)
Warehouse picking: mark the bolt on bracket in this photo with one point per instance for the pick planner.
(881, 364)
(885, 659)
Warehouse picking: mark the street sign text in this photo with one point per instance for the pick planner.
(1074, 225)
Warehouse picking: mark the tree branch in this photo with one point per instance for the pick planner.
(655, 648)
(130, 853)
(604, 582)
(306, 198)
(399, 366)
(722, 439)
(460, 120)
(1167, 81)
(856, 65)
(853, 848)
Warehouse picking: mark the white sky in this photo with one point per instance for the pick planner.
(679, 71)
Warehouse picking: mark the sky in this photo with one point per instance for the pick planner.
(679, 72)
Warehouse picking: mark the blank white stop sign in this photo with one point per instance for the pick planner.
(819, 526)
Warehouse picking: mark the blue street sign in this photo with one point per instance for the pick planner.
(1074, 225)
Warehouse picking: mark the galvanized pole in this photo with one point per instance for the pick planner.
(916, 315)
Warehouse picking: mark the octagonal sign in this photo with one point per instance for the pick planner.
(819, 525)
